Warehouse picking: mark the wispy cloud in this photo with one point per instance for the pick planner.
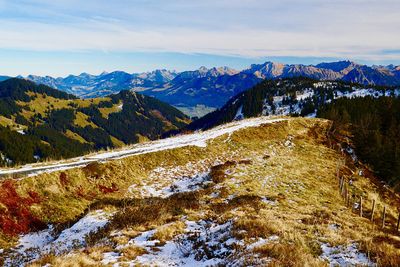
(355, 29)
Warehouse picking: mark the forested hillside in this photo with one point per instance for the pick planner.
(292, 96)
(374, 124)
(38, 122)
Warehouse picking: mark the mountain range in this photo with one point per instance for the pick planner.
(200, 91)
(89, 86)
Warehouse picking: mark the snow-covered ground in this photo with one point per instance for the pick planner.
(196, 139)
(180, 185)
(301, 96)
(345, 256)
(31, 246)
(305, 94)
(203, 243)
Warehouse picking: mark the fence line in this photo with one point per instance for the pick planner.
(349, 199)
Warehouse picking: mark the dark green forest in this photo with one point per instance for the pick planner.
(375, 126)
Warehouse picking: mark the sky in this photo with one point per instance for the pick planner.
(61, 37)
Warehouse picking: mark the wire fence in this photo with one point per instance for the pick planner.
(367, 208)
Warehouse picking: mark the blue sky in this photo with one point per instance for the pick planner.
(59, 37)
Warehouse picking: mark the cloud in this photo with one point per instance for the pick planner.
(318, 28)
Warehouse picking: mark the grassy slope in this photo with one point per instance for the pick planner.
(289, 163)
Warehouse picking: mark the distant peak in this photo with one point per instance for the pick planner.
(203, 69)
(84, 74)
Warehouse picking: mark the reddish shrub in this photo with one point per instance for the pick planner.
(64, 179)
(17, 218)
(80, 192)
(106, 190)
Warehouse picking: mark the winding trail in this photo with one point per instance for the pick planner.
(195, 139)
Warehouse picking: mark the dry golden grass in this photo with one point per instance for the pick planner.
(277, 179)
(105, 112)
(167, 232)
(131, 252)
(82, 120)
(70, 260)
(75, 136)
(142, 138)
(10, 122)
(116, 142)
(42, 103)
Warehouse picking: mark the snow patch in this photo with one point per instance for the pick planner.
(33, 245)
(110, 257)
(239, 114)
(263, 241)
(204, 243)
(268, 201)
(345, 256)
(308, 93)
(179, 185)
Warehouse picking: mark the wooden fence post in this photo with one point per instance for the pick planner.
(338, 172)
(383, 217)
(361, 206)
(373, 209)
(341, 186)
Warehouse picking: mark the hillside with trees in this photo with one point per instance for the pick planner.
(298, 96)
(38, 122)
(375, 128)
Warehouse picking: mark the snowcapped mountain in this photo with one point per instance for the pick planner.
(87, 86)
(271, 70)
(200, 91)
(342, 67)
(209, 88)
(213, 87)
(342, 70)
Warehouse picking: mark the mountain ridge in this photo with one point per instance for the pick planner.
(200, 91)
